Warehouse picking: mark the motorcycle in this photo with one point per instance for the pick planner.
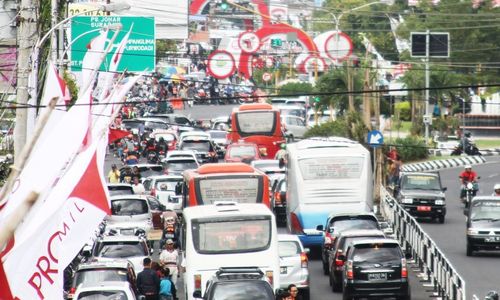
(471, 189)
(152, 157)
(169, 231)
(470, 148)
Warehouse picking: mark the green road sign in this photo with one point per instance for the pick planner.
(276, 43)
(139, 54)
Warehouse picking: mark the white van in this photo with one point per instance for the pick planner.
(325, 175)
(227, 234)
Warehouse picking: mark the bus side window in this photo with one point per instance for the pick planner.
(185, 194)
(183, 237)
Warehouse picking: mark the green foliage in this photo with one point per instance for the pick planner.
(163, 47)
(403, 109)
(349, 126)
(4, 171)
(417, 127)
(411, 148)
(71, 83)
(294, 88)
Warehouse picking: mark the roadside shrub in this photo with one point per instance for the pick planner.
(404, 110)
(350, 126)
(411, 148)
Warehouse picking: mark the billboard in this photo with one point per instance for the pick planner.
(139, 54)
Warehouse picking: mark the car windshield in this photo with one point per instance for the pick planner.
(319, 168)
(256, 122)
(132, 124)
(166, 185)
(293, 112)
(420, 182)
(244, 189)
(288, 248)
(150, 171)
(103, 295)
(98, 275)
(231, 235)
(201, 146)
(120, 190)
(243, 290)
(129, 207)
(352, 224)
(168, 137)
(178, 166)
(121, 249)
(242, 151)
(155, 125)
(485, 210)
(377, 253)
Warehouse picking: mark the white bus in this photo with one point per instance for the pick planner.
(227, 234)
(325, 175)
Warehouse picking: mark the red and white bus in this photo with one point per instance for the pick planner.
(236, 182)
(257, 123)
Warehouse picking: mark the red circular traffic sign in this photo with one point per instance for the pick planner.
(221, 64)
(338, 46)
(266, 76)
(249, 42)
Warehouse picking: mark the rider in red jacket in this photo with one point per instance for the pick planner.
(467, 176)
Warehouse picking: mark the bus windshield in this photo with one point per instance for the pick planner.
(242, 190)
(231, 235)
(256, 123)
(319, 168)
(201, 146)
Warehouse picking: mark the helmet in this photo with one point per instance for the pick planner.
(283, 146)
(491, 295)
(497, 186)
(468, 167)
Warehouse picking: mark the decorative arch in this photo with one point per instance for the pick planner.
(196, 7)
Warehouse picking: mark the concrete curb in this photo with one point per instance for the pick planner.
(443, 164)
(484, 152)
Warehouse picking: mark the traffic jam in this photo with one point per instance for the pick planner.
(235, 208)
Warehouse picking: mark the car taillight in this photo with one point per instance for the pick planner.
(303, 260)
(71, 292)
(197, 282)
(270, 277)
(350, 272)
(338, 262)
(404, 270)
(153, 192)
(277, 198)
(328, 240)
(296, 227)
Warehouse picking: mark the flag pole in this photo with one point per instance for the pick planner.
(26, 152)
(16, 218)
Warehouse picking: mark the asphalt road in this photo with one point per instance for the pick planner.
(480, 272)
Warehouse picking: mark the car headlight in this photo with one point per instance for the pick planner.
(439, 202)
(472, 231)
(407, 200)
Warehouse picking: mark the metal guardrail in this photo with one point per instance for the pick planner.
(436, 268)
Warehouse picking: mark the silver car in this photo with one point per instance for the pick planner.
(163, 188)
(293, 263)
(129, 213)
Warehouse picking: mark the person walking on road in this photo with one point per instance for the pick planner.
(148, 282)
(114, 175)
(169, 258)
(167, 287)
(294, 292)
(138, 187)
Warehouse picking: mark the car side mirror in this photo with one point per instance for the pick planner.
(319, 228)
(86, 252)
(444, 189)
(197, 294)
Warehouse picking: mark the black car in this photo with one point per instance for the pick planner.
(483, 224)
(338, 222)
(341, 243)
(205, 149)
(422, 195)
(278, 200)
(375, 268)
(238, 283)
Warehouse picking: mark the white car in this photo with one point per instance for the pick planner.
(107, 290)
(129, 213)
(293, 263)
(219, 137)
(291, 110)
(194, 134)
(323, 117)
(163, 188)
(294, 127)
(181, 154)
(177, 165)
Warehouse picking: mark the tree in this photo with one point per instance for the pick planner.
(295, 88)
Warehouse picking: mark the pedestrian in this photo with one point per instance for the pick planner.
(138, 187)
(294, 292)
(136, 172)
(166, 285)
(169, 258)
(285, 295)
(148, 283)
(114, 175)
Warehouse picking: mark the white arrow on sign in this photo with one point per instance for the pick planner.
(375, 139)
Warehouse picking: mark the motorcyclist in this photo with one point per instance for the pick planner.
(161, 145)
(491, 295)
(281, 152)
(496, 189)
(465, 177)
(169, 258)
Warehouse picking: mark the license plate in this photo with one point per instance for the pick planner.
(169, 236)
(127, 231)
(377, 276)
(282, 270)
(492, 239)
(423, 208)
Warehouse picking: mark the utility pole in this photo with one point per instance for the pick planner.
(26, 38)
(427, 79)
(366, 96)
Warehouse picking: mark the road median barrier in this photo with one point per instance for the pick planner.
(435, 165)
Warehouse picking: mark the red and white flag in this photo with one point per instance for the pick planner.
(93, 59)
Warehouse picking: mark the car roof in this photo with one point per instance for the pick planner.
(103, 285)
(434, 174)
(159, 177)
(142, 166)
(112, 264)
(216, 131)
(375, 241)
(288, 237)
(361, 232)
(122, 238)
(118, 197)
(174, 159)
(118, 185)
(244, 144)
(350, 214)
(489, 198)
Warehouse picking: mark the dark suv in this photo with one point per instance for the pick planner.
(238, 283)
(422, 195)
(375, 268)
(338, 222)
(483, 224)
